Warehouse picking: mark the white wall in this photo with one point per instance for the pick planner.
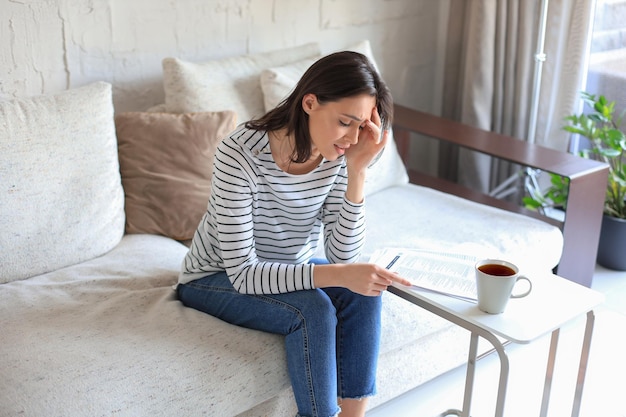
(52, 45)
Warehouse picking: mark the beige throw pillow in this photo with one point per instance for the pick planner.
(166, 161)
(224, 84)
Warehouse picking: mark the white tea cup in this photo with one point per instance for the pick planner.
(495, 280)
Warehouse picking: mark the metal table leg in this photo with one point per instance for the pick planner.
(471, 369)
(476, 331)
(584, 359)
(547, 385)
(582, 367)
(469, 376)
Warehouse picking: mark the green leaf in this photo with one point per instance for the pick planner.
(531, 203)
(609, 153)
(608, 144)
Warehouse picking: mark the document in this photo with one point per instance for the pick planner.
(442, 272)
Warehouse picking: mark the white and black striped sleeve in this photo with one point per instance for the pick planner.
(344, 226)
(234, 180)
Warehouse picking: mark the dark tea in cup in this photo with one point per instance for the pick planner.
(497, 270)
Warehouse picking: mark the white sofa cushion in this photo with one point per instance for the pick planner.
(387, 171)
(62, 198)
(108, 337)
(224, 84)
(278, 82)
(412, 216)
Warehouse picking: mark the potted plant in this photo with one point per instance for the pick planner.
(607, 143)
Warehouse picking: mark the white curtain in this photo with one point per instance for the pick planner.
(490, 64)
(568, 41)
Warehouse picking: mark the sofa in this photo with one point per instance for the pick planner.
(95, 213)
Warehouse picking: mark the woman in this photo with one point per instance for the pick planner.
(279, 182)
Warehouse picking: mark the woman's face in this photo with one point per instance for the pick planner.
(335, 126)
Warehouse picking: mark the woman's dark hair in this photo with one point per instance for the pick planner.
(331, 78)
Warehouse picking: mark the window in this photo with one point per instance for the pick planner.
(607, 61)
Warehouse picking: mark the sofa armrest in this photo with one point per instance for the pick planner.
(588, 179)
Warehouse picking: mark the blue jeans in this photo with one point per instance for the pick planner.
(331, 336)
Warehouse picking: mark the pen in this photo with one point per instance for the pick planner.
(393, 261)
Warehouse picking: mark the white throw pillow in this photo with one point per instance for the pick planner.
(225, 84)
(278, 82)
(62, 199)
(388, 171)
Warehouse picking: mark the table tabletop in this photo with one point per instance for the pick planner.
(552, 302)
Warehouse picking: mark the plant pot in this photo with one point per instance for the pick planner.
(612, 246)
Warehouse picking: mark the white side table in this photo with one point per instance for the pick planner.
(553, 302)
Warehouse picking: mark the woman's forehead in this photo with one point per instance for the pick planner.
(358, 108)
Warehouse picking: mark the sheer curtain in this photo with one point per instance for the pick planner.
(488, 80)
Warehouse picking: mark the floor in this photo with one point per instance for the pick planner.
(603, 392)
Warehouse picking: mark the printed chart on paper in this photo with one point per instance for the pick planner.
(442, 272)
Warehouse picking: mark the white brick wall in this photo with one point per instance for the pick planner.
(51, 45)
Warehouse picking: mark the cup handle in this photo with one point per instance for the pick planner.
(525, 293)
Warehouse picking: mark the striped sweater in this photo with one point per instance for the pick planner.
(262, 225)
